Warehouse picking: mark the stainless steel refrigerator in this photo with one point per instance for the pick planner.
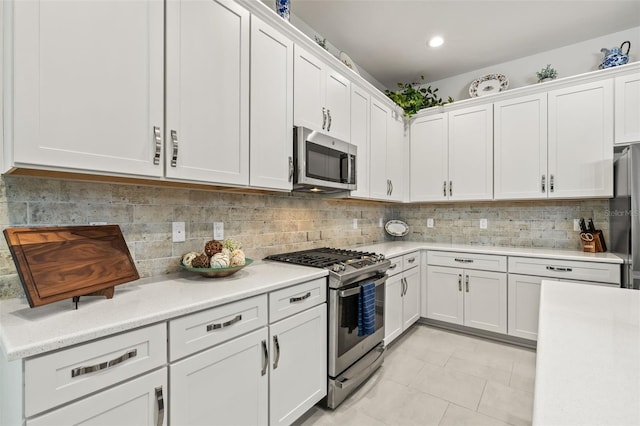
(624, 213)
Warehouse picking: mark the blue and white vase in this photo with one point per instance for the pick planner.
(283, 7)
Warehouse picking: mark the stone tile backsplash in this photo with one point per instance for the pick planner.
(270, 223)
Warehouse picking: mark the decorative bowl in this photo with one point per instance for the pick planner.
(217, 272)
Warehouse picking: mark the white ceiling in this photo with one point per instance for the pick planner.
(388, 38)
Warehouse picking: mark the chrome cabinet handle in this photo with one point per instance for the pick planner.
(265, 358)
(559, 269)
(290, 169)
(459, 282)
(393, 266)
(160, 403)
(388, 187)
(552, 186)
(544, 183)
(461, 260)
(450, 188)
(329, 122)
(174, 143)
(276, 344)
(104, 365)
(413, 259)
(391, 184)
(324, 118)
(300, 298)
(444, 188)
(158, 145)
(218, 326)
(466, 282)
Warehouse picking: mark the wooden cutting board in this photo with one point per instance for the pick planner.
(56, 263)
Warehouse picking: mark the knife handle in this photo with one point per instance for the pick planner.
(583, 227)
(591, 227)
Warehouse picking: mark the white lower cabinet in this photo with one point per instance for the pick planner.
(465, 296)
(524, 305)
(402, 296)
(224, 385)
(141, 401)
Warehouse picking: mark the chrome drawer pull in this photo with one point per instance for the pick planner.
(104, 365)
(277, 346)
(301, 298)
(413, 259)
(158, 145)
(559, 269)
(265, 358)
(160, 402)
(393, 266)
(218, 326)
(457, 259)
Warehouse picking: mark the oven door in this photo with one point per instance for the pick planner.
(345, 346)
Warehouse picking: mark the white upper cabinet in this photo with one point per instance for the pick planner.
(581, 140)
(471, 153)
(386, 153)
(207, 104)
(395, 158)
(321, 96)
(627, 108)
(520, 148)
(429, 156)
(360, 138)
(271, 153)
(88, 86)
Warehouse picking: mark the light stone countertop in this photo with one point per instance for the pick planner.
(588, 356)
(25, 331)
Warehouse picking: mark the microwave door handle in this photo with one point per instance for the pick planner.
(349, 168)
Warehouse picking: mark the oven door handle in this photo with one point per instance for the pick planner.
(348, 381)
(355, 290)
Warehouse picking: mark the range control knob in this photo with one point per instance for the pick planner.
(338, 267)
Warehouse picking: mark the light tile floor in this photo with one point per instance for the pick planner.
(437, 377)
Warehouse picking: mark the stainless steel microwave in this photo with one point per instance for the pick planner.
(323, 163)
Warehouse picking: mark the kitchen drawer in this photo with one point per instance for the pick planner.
(53, 379)
(297, 298)
(410, 260)
(396, 266)
(566, 269)
(204, 329)
(484, 262)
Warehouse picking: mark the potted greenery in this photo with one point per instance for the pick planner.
(546, 74)
(412, 98)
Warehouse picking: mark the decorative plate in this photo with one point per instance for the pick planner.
(217, 272)
(488, 84)
(345, 59)
(396, 228)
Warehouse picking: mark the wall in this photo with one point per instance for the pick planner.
(269, 223)
(569, 60)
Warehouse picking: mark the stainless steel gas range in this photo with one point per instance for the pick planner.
(355, 350)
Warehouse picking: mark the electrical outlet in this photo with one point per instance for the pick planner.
(218, 231)
(430, 222)
(380, 223)
(355, 223)
(576, 225)
(178, 231)
(483, 223)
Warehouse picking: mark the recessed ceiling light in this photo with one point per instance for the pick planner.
(436, 41)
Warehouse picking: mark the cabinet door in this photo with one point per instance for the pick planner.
(471, 153)
(337, 101)
(524, 306)
(271, 153)
(627, 108)
(429, 158)
(444, 294)
(411, 298)
(485, 300)
(227, 384)
(298, 366)
(141, 401)
(581, 141)
(393, 308)
(207, 104)
(309, 89)
(379, 182)
(395, 158)
(88, 93)
(520, 148)
(360, 137)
